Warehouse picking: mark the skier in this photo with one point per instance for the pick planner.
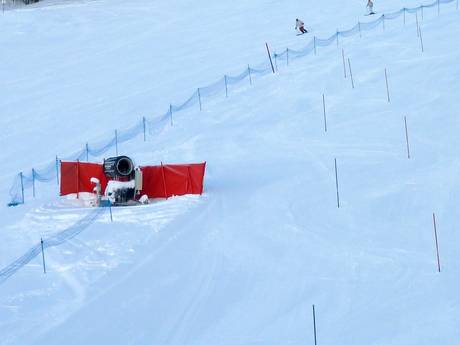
(299, 25)
(370, 6)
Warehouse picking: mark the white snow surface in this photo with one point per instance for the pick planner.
(243, 263)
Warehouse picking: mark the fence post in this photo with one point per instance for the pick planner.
(351, 74)
(57, 170)
(314, 43)
(87, 152)
(287, 56)
(270, 57)
(116, 142)
(226, 87)
(386, 81)
(43, 256)
(144, 127)
(33, 182)
(22, 186)
(170, 114)
(199, 97)
(249, 73)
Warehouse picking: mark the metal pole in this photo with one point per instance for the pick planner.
(314, 324)
(22, 186)
(386, 81)
(199, 97)
(33, 182)
(57, 170)
(416, 22)
(404, 16)
(407, 138)
(351, 74)
(421, 40)
(383, 22)
(87, 152)
(110, 210)
(359, 27)
(116, 142)
(276, 61)
(43, 256)
(270, 57)
(287, 56)
(337, 183)
(249, 73)
(436, 239)
(324, 113)
(344, 67)
(226, 88)
(144, 127)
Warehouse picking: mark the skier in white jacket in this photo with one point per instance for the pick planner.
(300, 25)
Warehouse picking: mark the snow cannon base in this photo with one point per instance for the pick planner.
(118, 182)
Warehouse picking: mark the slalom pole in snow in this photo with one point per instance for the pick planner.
(226, 87)
(351, 74)
(344, 67)
(324, 113)
(421, 39)
(337, 183)
(87, 152)
(407, 138)
(43, 256)
(314, 324)
(270, 57)
(436, 240)
(386, 82)
(287, 56)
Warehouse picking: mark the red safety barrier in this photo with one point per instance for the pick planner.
(161, 181)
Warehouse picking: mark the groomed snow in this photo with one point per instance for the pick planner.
(242, 264)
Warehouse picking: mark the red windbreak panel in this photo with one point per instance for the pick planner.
(158, 181)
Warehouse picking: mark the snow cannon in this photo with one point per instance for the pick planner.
(118, 167)
(119, 182)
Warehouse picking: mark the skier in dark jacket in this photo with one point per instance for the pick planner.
(300, 25)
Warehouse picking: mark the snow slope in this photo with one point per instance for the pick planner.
(243, 263)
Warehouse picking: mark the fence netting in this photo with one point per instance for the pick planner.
(50, 172)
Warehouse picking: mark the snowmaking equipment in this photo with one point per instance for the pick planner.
(118, 181)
